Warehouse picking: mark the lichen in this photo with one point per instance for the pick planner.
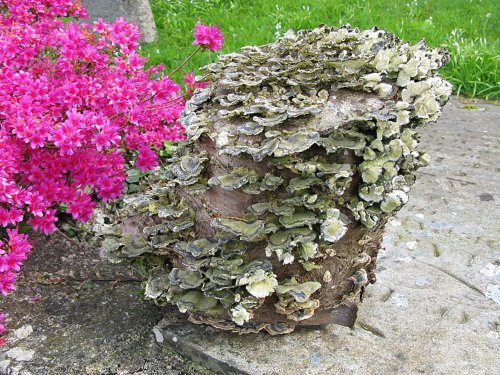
(245, 231)
(258, 283)
(240, 315)
(295, 299)
(333, 228)
(234, 180)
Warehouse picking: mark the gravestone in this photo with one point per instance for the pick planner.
(135, 11)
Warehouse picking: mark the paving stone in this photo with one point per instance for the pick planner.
(434, 309)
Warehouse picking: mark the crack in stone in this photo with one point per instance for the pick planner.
(458, 278)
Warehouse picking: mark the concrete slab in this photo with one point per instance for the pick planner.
(435, 306)
(434, 310)
(74, 313)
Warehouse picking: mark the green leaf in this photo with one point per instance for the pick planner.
(87, 284)
(133, 176)
(167, 149)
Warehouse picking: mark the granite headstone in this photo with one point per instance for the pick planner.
(135, 11)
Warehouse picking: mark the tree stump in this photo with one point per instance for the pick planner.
(271, 214)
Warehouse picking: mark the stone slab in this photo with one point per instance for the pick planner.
(135, 11)
(435, 307)
(74, 313)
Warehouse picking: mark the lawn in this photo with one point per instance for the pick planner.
(468, 29)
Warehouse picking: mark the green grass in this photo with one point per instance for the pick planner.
(467, 28)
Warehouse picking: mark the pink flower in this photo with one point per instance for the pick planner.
(189, 79)
(18, 242)
(192, 84)
(7, 280)
(101, 27)
(45, 223)
(3, 341)
(208, 37)
(147, 159)
(75, 100)
(81, 207)
(12, 261)
(110, 188)
(11, 216)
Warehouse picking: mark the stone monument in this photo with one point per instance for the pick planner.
(134, 11)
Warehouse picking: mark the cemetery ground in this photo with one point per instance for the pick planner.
(434, 309)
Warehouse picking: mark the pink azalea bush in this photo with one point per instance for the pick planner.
(77, 110)
(208, 37)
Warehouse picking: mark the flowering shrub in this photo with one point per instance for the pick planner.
(208, 37)
(77, 110)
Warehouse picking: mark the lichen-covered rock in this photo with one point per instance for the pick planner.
(270, 215)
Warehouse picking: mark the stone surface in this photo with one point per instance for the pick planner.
(135, 11)
(433, 307)
(432, 310)
(74, 313)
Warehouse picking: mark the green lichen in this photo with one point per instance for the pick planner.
(245, 231)
(333, 228)
(235, 180)
(259, 283)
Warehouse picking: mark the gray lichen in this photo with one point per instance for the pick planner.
(270, 214)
